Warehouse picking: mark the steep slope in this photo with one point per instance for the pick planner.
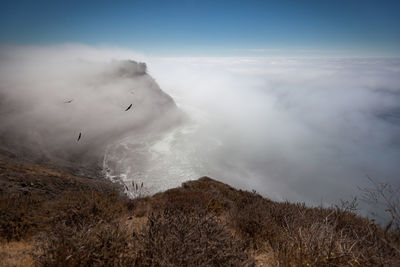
(68, 111)
(50, 217)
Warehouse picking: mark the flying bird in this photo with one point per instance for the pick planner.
(69, 101)
(79, 137)
(128, 107)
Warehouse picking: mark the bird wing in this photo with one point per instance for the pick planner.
(128, 107)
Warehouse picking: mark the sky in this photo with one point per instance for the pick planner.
(316, 83)
(210, 28)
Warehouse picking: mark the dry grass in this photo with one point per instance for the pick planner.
(16, 254)
(99, 244)
(22, 216)
(175, 235)
(50, 221)
(298, 235)
(180, 237)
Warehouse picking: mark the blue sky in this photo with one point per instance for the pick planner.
(210, 28)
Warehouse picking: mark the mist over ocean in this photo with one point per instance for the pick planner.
(200, 133)
(298, 129)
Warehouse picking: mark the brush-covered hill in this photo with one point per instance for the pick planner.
(49, 217)
(70, 115)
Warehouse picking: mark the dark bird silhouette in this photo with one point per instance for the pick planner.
(69, 101)
(79, 137)
(128, 108)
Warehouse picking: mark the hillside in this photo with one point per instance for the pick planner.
(49, 217)
(70, 119)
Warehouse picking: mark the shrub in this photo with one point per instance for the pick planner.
(298, 235)
(179, 237)
(23, 215)
(102, 244)
(87, 207)
(17, 218)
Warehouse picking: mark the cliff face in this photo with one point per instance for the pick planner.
(51, 217)
(44, 111)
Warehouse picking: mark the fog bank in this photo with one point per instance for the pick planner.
(51, 95)
(301, 129)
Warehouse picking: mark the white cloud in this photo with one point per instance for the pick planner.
(291, 128)
(37, 81)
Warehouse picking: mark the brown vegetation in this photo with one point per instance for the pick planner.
(69, 221)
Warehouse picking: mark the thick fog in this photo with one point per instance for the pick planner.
(301, 129)
(53, 96)
(293, 128)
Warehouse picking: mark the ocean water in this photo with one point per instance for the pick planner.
(302, 130)
(159, 161)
